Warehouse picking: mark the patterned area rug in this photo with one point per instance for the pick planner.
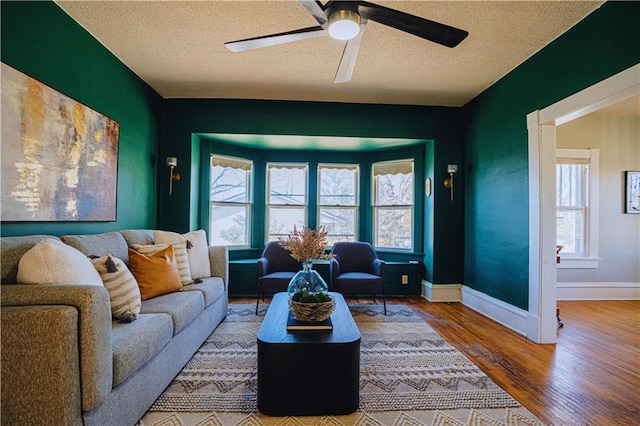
(409, 375)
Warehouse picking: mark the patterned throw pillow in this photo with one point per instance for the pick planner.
(53, 262)
(197, 249)
(156, 274)
(180, 250)
(124, 293)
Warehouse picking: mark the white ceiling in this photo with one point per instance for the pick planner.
(177, 47)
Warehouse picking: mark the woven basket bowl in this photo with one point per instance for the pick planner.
(312, 312)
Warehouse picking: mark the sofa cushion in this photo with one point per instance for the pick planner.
(136, 343)
(180, 251)
(211, 288)
(13, 248)
(156, 274)
(52, 262)
(138, 236)
(99, 244)
(124, 294)
(198, 252)
(183, 307)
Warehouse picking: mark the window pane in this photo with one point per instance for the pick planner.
(570, 230)
(338, 186)
(571, 185)
(396, 189)
(394, 228)
(340, 223)
(287, 185)
(229, 225)
(282, 220)
(230, 184)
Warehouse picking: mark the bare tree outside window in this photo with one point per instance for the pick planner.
(286, 198)
(230, 201)
(338, 201)
(393, 204)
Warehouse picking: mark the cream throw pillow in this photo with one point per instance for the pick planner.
(53, 262)
(124, 293)
(198, 251)
(180, 251)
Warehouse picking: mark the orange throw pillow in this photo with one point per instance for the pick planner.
(156, 274)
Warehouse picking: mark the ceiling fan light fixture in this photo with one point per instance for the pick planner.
(344, 24)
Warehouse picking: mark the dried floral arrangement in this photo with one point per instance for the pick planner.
(306, 245)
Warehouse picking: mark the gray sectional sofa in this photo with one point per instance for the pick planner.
(66, 362)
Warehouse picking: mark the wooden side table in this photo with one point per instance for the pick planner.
(308, 373)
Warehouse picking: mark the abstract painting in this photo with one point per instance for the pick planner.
(59, 158)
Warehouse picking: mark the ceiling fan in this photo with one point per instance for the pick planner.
(346, 20)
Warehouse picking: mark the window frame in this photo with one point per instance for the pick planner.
(590, 259)
(269, 205)
(248, 204)
(375, 206)
(355, 207)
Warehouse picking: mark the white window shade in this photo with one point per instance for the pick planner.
(232, 163)
(403, 167)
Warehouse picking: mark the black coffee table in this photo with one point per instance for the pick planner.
(308, 373)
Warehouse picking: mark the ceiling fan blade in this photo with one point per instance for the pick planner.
(349, 56)
(314, 7)
(424, 28)
(275, 39)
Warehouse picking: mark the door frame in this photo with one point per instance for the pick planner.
(541, 128)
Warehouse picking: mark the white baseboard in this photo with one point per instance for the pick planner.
(441, 292)
(503, 313)
(598, 291)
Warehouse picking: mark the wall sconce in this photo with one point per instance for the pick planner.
(172, 162)
(448, 182)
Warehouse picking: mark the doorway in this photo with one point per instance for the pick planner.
(541, 125)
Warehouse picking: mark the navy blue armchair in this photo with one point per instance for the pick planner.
(356, 269)
(276, 267)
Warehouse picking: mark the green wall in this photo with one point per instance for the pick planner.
(42, 41)
(497, 200)
(184, 117)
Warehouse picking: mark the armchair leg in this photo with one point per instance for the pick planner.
(257, 303)
(384, 303)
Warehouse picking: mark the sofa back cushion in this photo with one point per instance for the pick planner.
(99, 245)
(11, 251)
(144, 237)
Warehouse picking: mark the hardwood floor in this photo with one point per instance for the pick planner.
(590, 377)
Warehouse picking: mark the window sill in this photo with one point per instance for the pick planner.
(578, 262)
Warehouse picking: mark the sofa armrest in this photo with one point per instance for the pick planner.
(93, 330)
(219, 259)
(40, 359)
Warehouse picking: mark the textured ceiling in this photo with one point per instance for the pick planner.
(177, 47)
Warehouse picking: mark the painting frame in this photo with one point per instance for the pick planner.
(632, 192)
(59, 157)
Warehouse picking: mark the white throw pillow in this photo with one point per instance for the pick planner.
(124, 293)
(53, 262)
(198, 251)
(180, 251)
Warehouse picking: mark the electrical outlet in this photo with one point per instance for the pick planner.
(405, 279)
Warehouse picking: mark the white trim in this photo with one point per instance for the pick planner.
(441, 292)
(542, 326)
(578, 262)
(508, 315)
(598, 291)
